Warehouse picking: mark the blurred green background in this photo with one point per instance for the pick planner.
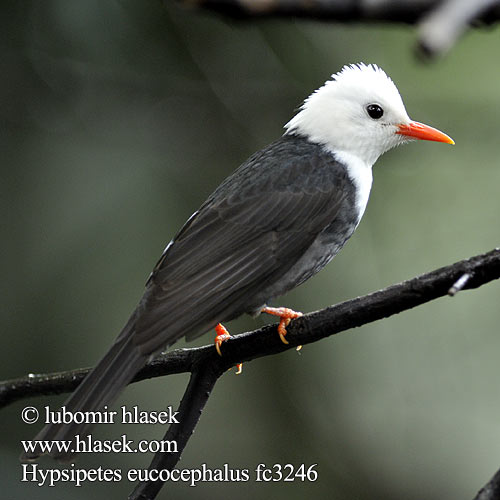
(118, 118)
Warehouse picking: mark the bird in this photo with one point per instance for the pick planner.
(272, 224)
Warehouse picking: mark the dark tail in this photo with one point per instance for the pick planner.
(99, 388)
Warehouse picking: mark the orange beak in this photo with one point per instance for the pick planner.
(418, 130)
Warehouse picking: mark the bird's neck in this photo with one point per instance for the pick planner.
(360, 173)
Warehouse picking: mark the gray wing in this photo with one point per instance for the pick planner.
(245, 237)
(250, 232)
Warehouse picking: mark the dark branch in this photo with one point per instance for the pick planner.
(322, 10)
(441, 22)
(198, 391)
(309, 328)
(404, 11)
(491, 491)
(206, 366)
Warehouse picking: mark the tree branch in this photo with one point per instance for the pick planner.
(206, 366)
(304, 330)
(198, 391)
(491, 491)
(441, 22)
(404, 11)
(441, 28)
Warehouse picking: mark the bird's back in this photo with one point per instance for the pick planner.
(268, 227)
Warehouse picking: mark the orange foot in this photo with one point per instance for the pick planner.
(285, 315)
(222, 336)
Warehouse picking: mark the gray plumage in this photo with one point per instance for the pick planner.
(271, 225)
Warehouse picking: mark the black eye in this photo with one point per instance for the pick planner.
(374, 111)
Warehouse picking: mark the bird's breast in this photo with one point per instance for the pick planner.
(360, 173)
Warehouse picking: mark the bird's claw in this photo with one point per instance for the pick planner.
(286, 314)
(222, 336)
(284, 322)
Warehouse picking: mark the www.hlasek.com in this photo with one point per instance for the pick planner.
(262, 473)
(90, 445)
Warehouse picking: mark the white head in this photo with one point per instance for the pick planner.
(360, 112)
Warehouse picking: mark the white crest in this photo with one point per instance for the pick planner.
(336, 114)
